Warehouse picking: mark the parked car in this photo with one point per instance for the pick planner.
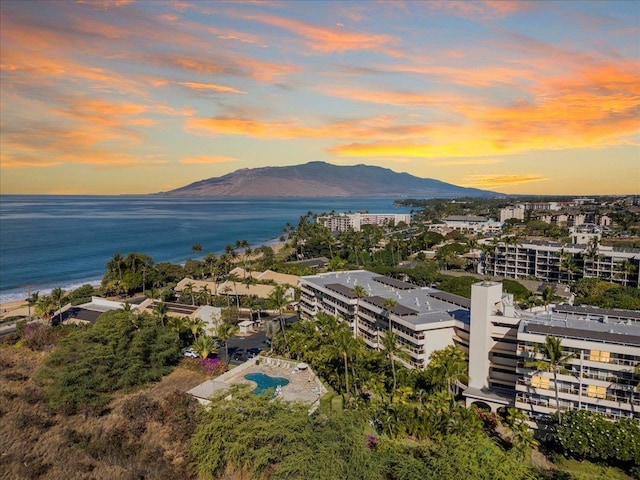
(240, 357)
(254, 351)
(190, 353)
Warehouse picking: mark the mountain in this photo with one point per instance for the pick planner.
(320, 179)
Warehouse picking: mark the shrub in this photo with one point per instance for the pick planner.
(588, 435)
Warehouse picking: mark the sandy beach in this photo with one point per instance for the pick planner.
(20, 308)
(14, 309)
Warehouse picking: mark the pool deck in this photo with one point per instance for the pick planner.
(304, 386)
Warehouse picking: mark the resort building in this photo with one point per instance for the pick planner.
(345, 221)
(556, 262)
(425, 319)
(500, 340)
(470, 224)
(515, 211)
(603, 345)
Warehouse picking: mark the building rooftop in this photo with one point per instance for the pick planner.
(416, 305)
(580, 327)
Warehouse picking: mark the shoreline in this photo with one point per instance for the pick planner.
(11, 297)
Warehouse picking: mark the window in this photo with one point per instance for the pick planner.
(540, 382)
(596, 392)
(599, 356)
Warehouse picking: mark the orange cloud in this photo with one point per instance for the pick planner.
(206, 159)
(469, 161)
(327, 40)
(595, 107)
(210, 86)
(486, 9)
(492, 181)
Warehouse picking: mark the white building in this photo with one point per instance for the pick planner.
(605, 345)
(546, 261)
(499, 338)
(425, 319)
(345, 221)
(514, 211)
(470, 224)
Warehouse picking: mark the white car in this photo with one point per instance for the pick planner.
(191, 353)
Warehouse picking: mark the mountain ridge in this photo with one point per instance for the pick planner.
(321, 179)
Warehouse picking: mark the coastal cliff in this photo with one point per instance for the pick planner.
(320, 179)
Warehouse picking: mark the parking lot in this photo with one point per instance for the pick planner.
(239, 346)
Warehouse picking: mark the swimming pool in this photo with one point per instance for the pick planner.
(265, 382)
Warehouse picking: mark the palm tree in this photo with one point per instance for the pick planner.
(57, 295)
(548, 296)
(624, 269)
(234, 278)
(45, 307)
(247, 251)
(448, 368)
(230, 256)
(210, 261)
(344, 346)
(568, 264)
(196, 325)
(388, 304)
(553, 361)
(278, 299)
(188, 291)
(114, 266)
(522, 436)
(32, 300)
(160, 311)
(196, 248)
(472, 243)
(253, 304)
(359, 292)
(205, 294)
(204, 345)
(178, 324)
(225, 332)
(391, 348)
(592, 253)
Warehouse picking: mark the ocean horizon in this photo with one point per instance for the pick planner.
(49, 241)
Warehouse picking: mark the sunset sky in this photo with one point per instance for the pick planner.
(118, 96)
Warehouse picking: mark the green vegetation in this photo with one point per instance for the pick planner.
(119, 352)
(591, 291)
(587, 435)
(272, 439)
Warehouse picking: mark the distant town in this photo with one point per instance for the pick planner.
(509, 319)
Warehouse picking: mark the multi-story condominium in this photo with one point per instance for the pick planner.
(499, 338)
(425, 319)
(555, 262)
(472, 224)
(345, 221)
(604, 346)
(514, 211)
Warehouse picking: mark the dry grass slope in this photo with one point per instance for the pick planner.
(140, 435)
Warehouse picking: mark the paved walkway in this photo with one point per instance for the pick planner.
(304, 385)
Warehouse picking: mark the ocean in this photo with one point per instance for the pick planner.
(51, 241)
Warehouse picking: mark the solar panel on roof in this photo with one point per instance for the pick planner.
(632, 314)
(452, 298)
(341, 289)
(583, 334)
(392, 282)
(399, 310)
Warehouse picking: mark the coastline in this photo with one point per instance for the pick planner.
(13, 299)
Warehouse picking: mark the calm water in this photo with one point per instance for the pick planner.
(265, 382)
(65, 241)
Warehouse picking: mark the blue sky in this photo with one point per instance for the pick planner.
(110, 97)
